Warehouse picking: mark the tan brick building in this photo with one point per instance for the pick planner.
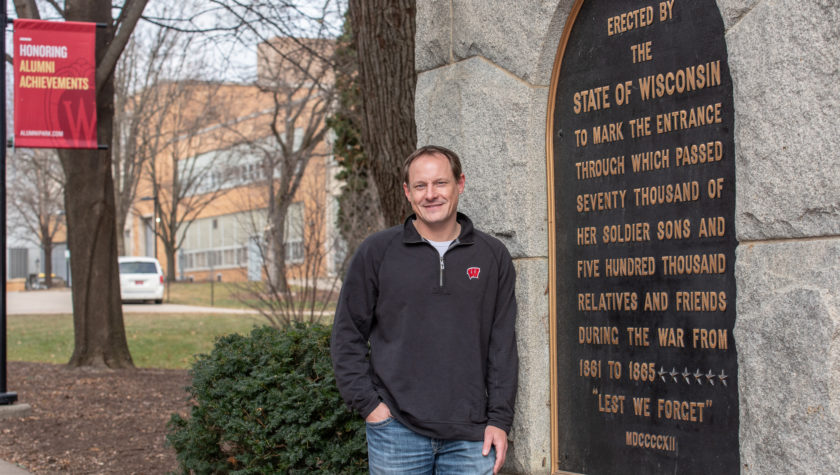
(227, 150)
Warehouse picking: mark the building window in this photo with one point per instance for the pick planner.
(222, 242)
(294, 233)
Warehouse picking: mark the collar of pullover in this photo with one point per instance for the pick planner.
(411, 236)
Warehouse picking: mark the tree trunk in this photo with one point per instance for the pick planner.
(383, 32)
(278, 248)
(120, 220)
(97, 310)
(91, 223)
(48, 247)
(170, 261)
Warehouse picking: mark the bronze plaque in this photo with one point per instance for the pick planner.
(642, 159)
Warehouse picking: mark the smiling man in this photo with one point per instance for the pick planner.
(423, 343)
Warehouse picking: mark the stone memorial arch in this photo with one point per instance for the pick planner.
(485, 89)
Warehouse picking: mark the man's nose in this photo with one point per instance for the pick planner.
(431, 193)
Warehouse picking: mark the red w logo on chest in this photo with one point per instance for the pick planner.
(472, 272)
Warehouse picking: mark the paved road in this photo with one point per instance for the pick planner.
(60, 301)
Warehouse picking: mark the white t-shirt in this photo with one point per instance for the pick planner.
(441, 246)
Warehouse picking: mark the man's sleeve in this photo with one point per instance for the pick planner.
(351, 331)
(503, 360)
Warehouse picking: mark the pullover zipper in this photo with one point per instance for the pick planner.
(454, 243)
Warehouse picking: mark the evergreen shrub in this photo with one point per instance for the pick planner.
(268, 403)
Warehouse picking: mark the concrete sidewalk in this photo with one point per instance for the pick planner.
(61, 301)
(9, 469)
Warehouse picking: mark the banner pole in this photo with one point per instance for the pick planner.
(6, 398)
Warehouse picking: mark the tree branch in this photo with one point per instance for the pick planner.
(56, 7)
(109, 61)
(27, 9)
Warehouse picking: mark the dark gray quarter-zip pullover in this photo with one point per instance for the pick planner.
(442, 348)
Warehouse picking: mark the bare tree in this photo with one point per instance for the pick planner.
(383, 32)
(99, 330)
(295, 72)
(35, 195)
(299, 81)
(295, 52)
(309, 287)
(195, 166)
(295, 75)
(153, 57)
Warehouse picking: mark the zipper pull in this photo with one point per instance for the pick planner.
(441, 271)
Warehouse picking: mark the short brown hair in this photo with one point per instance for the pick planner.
(454, 161)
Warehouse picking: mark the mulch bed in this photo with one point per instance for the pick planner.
(92, 420)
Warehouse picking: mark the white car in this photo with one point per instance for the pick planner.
(141, 278)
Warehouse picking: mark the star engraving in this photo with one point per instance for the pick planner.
(722, 377)
(697, 376)
(711, 377)
(685, 375)
(674, 374)
(662, 374)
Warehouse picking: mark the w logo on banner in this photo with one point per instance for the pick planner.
(472, 272)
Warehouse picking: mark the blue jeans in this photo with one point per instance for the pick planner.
(394, 449)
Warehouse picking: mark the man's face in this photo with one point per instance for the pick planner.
(433, 190)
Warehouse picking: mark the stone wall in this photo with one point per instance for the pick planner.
(482, 90)
(785, 61)
(484, 76)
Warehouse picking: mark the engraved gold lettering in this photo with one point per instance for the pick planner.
(586, 236)
(688, 79)
(629, 266)
(709, 152)
(656, 301)
(600, 168)
(591, 99)
(692, 264)
(671, 337)
(608, 301)
(714, 339)
(598, 335)
(712, 227)
(667, 194)
(666, 443)
(647, 161)
(631, 20)
(641, 406)
(607, 133)
(638, 336)
(680, 410)
(600, 201)
(673, 229)
(700, 301)
(628, 232)
(611, 403)
(588, 268)
(688, 118)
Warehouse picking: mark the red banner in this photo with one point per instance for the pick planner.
(55, 94)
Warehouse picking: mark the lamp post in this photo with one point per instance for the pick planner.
(6, 398)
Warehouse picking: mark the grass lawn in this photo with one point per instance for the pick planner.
(198, 293)
(225, 295)
(155, 340)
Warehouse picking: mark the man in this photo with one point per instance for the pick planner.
(423, 343)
